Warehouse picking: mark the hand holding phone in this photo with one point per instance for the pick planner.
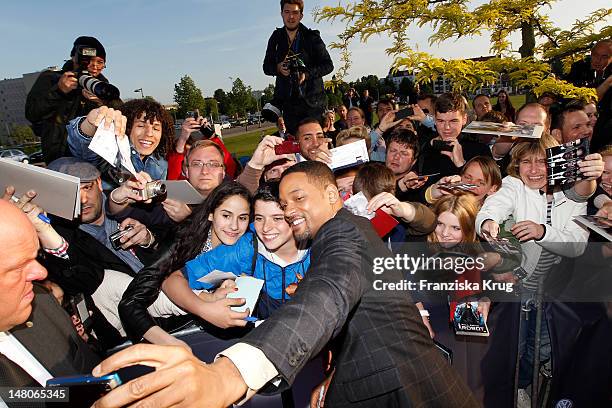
(287, 147)
(85, 390)
(404, 113)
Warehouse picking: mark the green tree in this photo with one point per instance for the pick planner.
(224, 102)
(541, 42)
(212, 108)
(22, 134)
(188, 97)
(268, 94)
(241, 97)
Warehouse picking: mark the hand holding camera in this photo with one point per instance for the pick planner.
(68, 82)
(130, 233)
(141, 188)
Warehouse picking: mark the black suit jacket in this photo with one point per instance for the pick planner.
(386, 357)
(52, 340)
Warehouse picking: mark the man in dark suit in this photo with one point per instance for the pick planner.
(47, 344)
(385, 356)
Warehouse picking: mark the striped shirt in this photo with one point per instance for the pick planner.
(546, 261)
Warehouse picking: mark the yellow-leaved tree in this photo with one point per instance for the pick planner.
(542, 44)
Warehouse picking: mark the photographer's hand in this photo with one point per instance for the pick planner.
(419, 115)
(282, 69)
(139, 235)
(456, 155)
(387, 122)
(128, 192)
(301, 78)
(67, 82)
(264, 153)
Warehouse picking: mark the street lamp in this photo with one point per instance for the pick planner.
(141, 93)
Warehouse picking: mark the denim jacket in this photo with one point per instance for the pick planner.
(157, 168)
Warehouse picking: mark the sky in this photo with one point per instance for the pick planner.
(151, 44)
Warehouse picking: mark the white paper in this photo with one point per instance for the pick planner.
(249, 289)
(57, 193)
(106, 144)
(357, 205)
(505, 129)
(216, 277)
(349, 155)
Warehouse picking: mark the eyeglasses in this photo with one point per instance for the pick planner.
(208, 165)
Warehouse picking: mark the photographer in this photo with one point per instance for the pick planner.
(297, 56)
(56, 97)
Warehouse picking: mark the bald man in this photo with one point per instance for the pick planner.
(37, 339)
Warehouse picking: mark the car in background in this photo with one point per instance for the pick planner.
(225, 125)
(37, 157)
(15, 154)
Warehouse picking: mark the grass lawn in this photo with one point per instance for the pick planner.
(245, 144)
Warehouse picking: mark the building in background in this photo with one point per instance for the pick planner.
(13, 92)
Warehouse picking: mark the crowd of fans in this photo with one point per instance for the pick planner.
(149, 285)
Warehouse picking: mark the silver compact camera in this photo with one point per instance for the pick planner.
(115, 237)
(152, 189)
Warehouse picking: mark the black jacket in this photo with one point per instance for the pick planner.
(52, 340)
(311, 49)
(142, 292)
(386, 356)
(50, 110)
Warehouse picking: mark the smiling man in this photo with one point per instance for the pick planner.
(385, 357)
(148, 126)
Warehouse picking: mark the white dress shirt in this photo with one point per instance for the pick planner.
(12, 349)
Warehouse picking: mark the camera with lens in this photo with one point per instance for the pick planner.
(294, 64)
(116, 236)
(101, 89)
(152, 189)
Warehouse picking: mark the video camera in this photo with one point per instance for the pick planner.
(102, 90)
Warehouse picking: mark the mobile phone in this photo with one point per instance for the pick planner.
(287, 147)
(404, 113)
(442, 145)
(426, 176)
(383, 223)
(85, 390)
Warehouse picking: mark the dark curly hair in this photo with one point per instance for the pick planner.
(153, 111)
(191, 234)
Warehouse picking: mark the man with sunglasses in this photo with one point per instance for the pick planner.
(55, 98)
